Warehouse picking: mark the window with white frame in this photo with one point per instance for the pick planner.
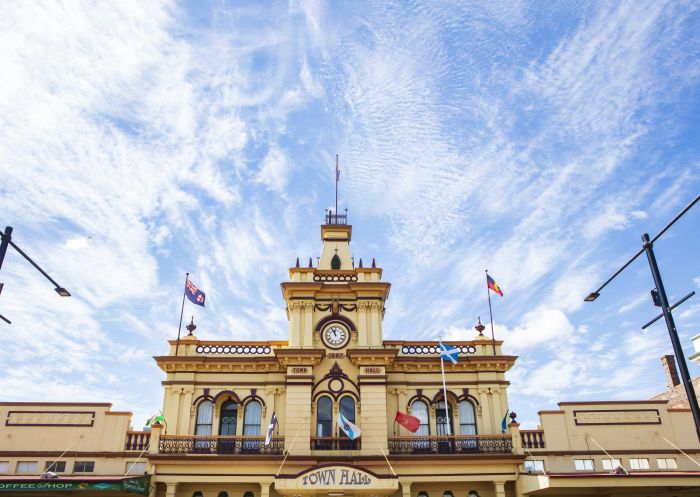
(4, 466)
(26, 466)
(666, 463)
(534, 466)
(610, 464)
(639, 463)
(84, 466)
(583, 464)
(135, 468)
(55, 466)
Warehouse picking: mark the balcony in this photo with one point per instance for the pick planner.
(137, 440)
(532, 439)
(334, 443)
(199, 444)
(458, 444)
(336, 218)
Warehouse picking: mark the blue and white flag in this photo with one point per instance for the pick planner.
(449, 353)
(273, 422)
(195, 295)
(350, 429)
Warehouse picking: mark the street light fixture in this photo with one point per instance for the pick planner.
(661, 299)
(6, 242)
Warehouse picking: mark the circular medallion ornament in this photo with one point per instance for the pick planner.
(335, 336)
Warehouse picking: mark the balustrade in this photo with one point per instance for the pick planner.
(137, 440)
(532, 439)
(458, 444)
(334, 443)
(199, 444)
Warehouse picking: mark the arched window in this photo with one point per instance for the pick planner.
(347, 409)
(441, 420)
(335, 262)
(467, 419)
(205, 413)
(252, 418)
(420, 410)
(324, 417)
(228, 418)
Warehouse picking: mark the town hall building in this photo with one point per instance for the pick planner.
(219, 398)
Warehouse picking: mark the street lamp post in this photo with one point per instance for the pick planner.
(6, 242)
(648, 248)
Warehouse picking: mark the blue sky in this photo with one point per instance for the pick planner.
(144, 140)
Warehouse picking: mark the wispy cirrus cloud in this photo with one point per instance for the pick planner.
(144, 141)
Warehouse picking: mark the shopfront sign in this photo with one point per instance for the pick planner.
(139, 485)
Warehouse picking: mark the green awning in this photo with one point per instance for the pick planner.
(136, 485)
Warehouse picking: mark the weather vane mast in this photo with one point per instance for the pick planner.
(337, 177)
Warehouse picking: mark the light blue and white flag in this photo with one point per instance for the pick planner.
(273, 422)
(350, 429)
(449, 353)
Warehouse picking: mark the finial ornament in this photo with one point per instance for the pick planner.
(480, 327)
(191, 327)
(360, 262)
(311, 262)
(297, 264)
(374, 264)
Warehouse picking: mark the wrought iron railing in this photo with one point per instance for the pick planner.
(137, 440)
(532, 439)
(336, 218)
(334, 443)
(458, 444)
(199, 444)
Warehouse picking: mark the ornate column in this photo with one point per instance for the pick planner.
(307, 328)
(486, 414)
(499, 488)
(294, 310)
(170, 489)
(363, 324)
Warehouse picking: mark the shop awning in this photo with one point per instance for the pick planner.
(132, 485)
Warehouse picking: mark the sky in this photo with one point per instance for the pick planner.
(540, 140)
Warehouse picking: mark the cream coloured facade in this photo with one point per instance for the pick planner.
(219, 397)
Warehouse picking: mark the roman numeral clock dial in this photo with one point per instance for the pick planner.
(335, 336)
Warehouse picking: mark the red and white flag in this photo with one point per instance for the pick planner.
(411, 423)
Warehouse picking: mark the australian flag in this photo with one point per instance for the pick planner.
(196, 296)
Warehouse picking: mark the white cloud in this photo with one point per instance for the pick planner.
(275, 170)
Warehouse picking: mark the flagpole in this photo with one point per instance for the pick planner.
(384, 454)
(288, 451)
(488, 294)
(182, 310)
(336, 185)
(444, 392)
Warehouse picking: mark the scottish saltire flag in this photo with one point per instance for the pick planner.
(350, 429)
(449, 353)
(195, 295)
(273, 422)
(504, 424)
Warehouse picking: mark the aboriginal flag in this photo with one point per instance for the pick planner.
(491, 283)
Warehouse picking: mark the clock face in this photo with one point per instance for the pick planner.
(335, 336)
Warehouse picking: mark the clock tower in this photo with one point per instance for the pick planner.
(335, 304)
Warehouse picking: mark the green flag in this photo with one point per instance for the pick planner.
(156, 418)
